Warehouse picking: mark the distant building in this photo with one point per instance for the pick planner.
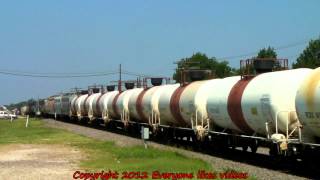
(3, 108)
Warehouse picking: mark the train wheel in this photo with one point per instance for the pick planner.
(274, 150)
(253, 148)
(245, 148)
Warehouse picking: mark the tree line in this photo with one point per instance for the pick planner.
(309, 58)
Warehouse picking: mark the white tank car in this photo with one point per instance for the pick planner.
(104, 103)
(164, 97)
(155, 100)
(112, 107)
(269, 95)
(57, 105)
(132, 105)
(50, 104)
(217, 103)
(144, 104)
(90, 103)
(80, 105)
(66, 104)
(193, 102)
(308, 104)
(133, 98)
(122, 103)
(73, 108)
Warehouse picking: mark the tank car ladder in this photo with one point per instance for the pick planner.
(106, 117)
(284, 140)
(154, 121)
(200, 126)
(125, 118)
(90, 115)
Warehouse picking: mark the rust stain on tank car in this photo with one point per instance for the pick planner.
(139, 106)
(234, 105)
(175, 106)
(310, 87)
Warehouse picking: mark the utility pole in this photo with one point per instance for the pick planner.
(120, 82)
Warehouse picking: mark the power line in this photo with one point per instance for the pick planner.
(135, 74)
(69, 75)
(54, 73)
(95, 74)
(256, 52)
(56, 76)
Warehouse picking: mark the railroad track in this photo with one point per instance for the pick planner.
(260, 164)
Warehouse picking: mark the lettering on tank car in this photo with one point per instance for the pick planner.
(312, 115)
(309, 115)
(265, 106)
(314, 124)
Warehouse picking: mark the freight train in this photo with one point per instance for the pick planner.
(274, 107)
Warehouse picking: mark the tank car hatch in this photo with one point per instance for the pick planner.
(129, 85)
(156, 81)
(111, 88)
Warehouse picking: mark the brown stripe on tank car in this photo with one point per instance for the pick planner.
(75, 104)
(235, 108)
(114, 105)
(85, 111)
(139, 106)
(97, 104)
(175, 106)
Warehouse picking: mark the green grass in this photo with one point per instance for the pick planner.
(101, 155)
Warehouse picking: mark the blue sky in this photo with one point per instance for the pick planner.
(145, 36)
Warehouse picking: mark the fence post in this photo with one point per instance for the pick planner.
(27, 122)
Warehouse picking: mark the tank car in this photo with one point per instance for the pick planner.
(307, 103)
(80, 104)
(104, 106)
(57, 105)
(121, 104)
(94, 93)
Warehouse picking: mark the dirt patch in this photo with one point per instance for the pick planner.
(35, 161)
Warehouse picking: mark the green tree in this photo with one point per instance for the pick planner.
(310, 57)
(220, 69)
(267, 53)
(263, 53)
(30, 102)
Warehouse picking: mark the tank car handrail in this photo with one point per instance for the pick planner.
(287, 123)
